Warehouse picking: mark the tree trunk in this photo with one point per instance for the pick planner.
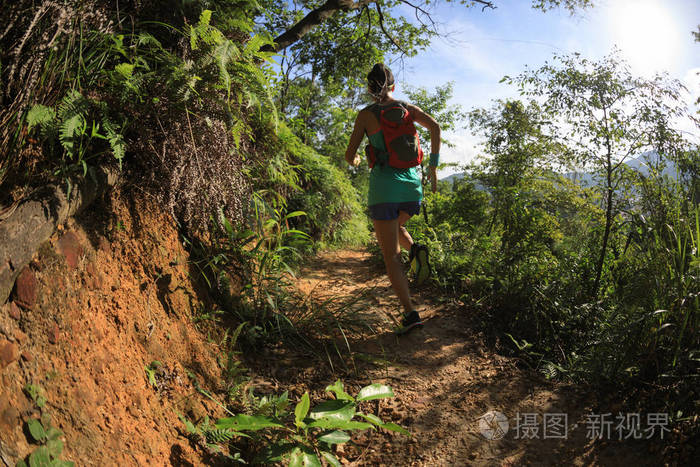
(608, 223)
(35, 219)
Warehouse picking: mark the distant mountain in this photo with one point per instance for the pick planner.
(450, 178)
(642, 163)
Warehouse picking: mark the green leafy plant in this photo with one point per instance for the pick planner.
(259, 260)
(210, 436)
(151, 370)
(36, 393)
(307, 435)
(48, 454)
(73, 132)
(235, 374)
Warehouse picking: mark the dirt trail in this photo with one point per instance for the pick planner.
(446, 378)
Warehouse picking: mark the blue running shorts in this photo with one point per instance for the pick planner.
(390, 211)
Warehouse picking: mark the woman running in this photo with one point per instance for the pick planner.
(394, 194)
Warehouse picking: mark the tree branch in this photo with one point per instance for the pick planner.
(381, 25)
(485, 4)
(421, 10)
(313, 19)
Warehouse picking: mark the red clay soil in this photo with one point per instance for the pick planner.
(105, 297)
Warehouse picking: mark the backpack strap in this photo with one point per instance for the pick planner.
(376, 108)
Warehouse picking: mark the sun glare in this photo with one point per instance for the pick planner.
(646, 33)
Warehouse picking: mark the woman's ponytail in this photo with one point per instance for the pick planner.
(379, 81)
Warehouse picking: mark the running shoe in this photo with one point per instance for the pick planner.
(409, 322)
(412, 260)
(422, 272)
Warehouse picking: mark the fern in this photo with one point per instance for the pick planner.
(40, 115)
(252, 47)
(224, 54)
(72, 104)
(146, 39)
(237, 131)
(241, 24)
(115, 138)
(204, 32)
(125, 70)
(69, 122)
(220, 435)
(70, 132)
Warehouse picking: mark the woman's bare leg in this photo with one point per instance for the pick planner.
(405, 239)
(388, 237)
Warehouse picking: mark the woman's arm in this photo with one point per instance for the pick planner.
(358, 132)
(434, 128)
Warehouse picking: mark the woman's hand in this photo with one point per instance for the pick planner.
(433, 178)
(357, 160)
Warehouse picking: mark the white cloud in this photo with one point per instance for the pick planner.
(465, 151)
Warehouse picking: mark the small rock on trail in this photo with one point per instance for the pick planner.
(9, 352)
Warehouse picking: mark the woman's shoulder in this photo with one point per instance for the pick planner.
(408, 105)
(375, 106)
(369, 108)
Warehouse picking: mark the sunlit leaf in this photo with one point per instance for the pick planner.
(337, 409)
(339, 390)
(302, 409)
(335, 437)
(374, 391)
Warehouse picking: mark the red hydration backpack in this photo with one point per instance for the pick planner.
(400, 138)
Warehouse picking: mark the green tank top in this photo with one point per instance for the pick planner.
(390, 185)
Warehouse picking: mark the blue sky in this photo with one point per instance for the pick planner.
(482, 47)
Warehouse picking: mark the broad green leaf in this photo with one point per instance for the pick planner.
(342, 410)
(275, 452)
(391, 426)
(247, 422)
(295, 458)
(36, 429)
(40, 457)
(227, 225)
(339, 390)
(335, 437)
(303, 458)
(331, 459)
(372, 418)
(151, 375)
(60, 463)
(338, 424)
(298, 233)
(21, 463)
(302, 409)
(387, 426)
(295, 214)
(374, 391)
(55, 447)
